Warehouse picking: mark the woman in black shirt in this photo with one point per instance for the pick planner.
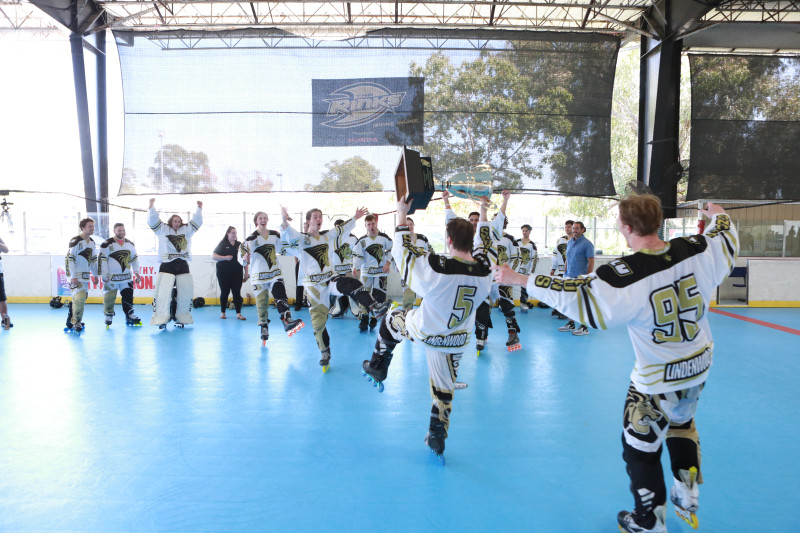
(229, 272)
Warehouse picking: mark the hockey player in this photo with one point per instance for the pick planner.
(174, 253)
(450, 288)
(502, 250)
(661, 293)
(420, 241)
(81, 263)
(528, 259)
(314, 251)
(371, 264)
(263, 247)
(4, 318)
(342, 258)
(483, 318)
(507, 254)
(559, 260)
(118, 267)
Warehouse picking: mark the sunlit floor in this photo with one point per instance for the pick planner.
(202, 429)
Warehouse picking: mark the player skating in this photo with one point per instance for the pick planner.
(174, 254)
(661, 293)
(371, 264)
(81, 263)
(313, 249)
(443, 323)
(118, 267)
(528, 259)
(342, 258)
(262, 248)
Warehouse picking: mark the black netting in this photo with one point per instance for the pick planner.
(213, 113)
(745, 127)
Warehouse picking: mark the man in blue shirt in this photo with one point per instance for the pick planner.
(580, 261)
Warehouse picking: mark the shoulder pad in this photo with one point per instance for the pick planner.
(276, 233)
(421, 236)
(253, 236)
(74, 241)
(382, 234)
(106, 243)
(323, 232)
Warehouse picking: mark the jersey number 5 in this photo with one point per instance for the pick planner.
(462, 307)
(676, 309)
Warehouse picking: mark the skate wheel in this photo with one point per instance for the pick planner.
(108, 326)
(325, 368)
(264, 342)
(689, 518)
(380, 386)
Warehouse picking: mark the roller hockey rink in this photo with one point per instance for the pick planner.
(205, 429)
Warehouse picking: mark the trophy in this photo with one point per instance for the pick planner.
(414, 179)
(473, 184)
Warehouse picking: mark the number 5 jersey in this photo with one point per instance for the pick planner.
(451, 291)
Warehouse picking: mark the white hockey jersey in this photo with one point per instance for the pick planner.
(174, 244)
(528, 257)
(670, 332)
(314, 252)
(81, 259)
(560, 255)
(342, 254)
(451, 291)
(117, 262)
(371, 254)
(264, 267)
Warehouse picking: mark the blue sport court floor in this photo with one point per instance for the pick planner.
(202, 429)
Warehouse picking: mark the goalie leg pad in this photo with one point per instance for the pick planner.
(162, 298)
(185, 293)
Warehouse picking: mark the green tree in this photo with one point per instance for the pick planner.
(176, 169)
(353, 174)
(516, 110)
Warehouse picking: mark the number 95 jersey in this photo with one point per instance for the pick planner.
(662, 297)
(451, 290)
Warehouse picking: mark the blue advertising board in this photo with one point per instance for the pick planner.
(368, 112)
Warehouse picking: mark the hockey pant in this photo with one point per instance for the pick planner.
(377, 288)
(319, 300)
(442, 367)
(278, 290)
(79, 294)
(110, 290)
(647, 421)
(483, 320)
(163, 298)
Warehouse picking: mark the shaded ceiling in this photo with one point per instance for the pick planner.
(728, 25)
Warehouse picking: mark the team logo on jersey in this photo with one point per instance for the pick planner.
(502, 255)
(344, 253)
(320, 255)
(178, 241)
(123, 257)
(267, 251)
(376, 251)
(524, 255)
(360, 103)
(86, 253)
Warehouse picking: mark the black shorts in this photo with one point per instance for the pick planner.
(175, 267)
(2, 288)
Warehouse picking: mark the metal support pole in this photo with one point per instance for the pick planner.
(102, 128)
(84, 131)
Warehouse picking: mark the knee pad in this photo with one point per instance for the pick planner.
(162, 298)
